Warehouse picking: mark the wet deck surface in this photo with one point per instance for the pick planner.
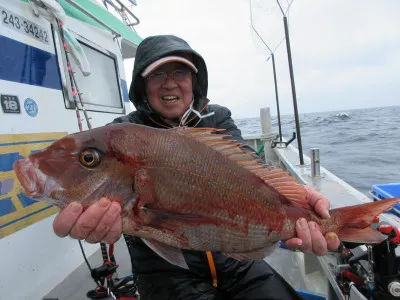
(75, 286)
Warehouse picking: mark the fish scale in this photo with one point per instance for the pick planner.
(173, 171)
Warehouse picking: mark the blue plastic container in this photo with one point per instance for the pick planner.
(386, 191)
(310, 296)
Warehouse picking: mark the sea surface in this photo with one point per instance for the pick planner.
(360, 146)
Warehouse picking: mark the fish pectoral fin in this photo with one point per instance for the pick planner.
(170, 254)
(367, 235)
(158, 215)
(253, 255)
(128, 206)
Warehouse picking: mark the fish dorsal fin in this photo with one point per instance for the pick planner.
(275, 178)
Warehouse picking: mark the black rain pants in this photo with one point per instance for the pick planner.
(157, 279)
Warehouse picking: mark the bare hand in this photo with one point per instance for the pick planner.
(309, 237)
(100, 222)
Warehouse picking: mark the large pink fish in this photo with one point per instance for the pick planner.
(185, 188)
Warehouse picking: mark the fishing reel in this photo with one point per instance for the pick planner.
(117, 288)
(371, 271)
(104, 271)
(107, 284)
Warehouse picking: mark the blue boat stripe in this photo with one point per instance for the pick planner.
(26, 216)
(125, 92)
(26, 201)
(6, 207)
(22, 63)
(27, 142)
(7, 159)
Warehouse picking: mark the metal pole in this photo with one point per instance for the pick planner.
(315, 162)
(296, 114)
(266, 128)
(277, 99)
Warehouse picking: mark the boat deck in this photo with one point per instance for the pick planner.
(77, 284)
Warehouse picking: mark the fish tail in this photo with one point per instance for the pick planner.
(354, 221)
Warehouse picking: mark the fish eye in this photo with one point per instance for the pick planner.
(89, 158)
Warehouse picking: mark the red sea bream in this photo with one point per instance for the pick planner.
(185, 188)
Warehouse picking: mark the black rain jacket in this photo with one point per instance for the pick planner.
(155, 277)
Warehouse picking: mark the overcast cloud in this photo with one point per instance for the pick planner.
(345, 53)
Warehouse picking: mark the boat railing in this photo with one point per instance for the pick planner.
(89, 14)
(122, 10)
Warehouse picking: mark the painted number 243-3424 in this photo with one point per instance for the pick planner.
(21, 24)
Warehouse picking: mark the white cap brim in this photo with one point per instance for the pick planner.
(150, 68)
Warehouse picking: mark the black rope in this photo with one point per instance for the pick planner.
(86, 260)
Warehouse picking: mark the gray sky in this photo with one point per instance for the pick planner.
(345, 53)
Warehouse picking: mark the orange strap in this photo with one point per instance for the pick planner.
(159, 124)
(212, 268)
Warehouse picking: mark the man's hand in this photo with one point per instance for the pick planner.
(100, 222)
(309, 237)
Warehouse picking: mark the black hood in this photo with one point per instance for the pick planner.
(155, 47)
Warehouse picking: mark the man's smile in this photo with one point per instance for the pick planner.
(170, 98)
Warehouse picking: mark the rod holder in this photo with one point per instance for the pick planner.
(315, 162)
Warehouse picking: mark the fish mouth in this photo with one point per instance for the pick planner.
(35, 184)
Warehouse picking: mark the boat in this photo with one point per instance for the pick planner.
(54, 56)
(42, 101)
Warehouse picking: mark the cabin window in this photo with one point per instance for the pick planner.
(101, 90)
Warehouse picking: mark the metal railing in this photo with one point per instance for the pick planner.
(73, 3)
(122, 11)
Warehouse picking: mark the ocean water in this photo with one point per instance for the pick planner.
(360, 146)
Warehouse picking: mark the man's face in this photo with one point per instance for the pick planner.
(172, 97)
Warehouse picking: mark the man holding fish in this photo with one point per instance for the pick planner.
(199, 212)
(170, 82)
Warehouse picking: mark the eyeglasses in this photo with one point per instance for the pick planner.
(160, 77)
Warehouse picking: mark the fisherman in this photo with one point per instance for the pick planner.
(169, 89)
